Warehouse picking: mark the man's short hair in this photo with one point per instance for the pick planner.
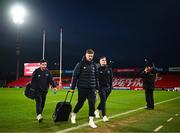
(43, 61)
(89, 51)
(102, 57)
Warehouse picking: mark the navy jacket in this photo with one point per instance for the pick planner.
(41, 80)
(85, 75)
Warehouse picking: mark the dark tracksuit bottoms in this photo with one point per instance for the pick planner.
(40, 101)
(84, 94)
(149, 98)
(103, 93)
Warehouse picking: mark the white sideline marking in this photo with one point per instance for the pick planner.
(114, 116)
(158, 128)
(176, 114)
(169, 119)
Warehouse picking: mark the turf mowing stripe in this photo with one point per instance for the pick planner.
(114, 116)
(158, 128)
(167, 100)
(169, 119)
(52, 102)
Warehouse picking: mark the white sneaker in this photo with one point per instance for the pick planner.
(91, 122)
(92, 125)
(39, 118)
(96, 112)
(105, 118)
(73, 118)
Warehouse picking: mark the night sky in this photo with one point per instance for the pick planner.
(126, 31)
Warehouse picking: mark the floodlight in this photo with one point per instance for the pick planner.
(18, 13)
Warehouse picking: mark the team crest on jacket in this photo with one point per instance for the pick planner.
(84, 67)
(47, 75)
(39, 75)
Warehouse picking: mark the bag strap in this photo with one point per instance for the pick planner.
(67, 96)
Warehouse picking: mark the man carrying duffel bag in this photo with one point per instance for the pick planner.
(41, 78)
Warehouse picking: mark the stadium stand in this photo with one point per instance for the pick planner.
(23, 81)
(163, 81)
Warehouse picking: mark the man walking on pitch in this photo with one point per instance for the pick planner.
(105, 87)
(85, 77)
(41, 78)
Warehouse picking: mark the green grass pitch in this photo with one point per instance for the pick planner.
(17, 113)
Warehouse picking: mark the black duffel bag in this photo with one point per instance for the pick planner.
(29, 91)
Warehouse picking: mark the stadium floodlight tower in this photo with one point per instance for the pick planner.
(18, 14)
